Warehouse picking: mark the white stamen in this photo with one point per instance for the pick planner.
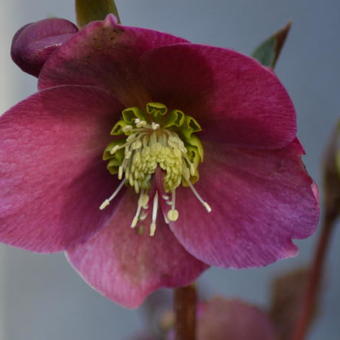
(143, 216)
(141, 124)
(197, 195)
(115, 193)
(116, 148)
(154, 215)
(120, 172)
(127, 128)
(154, 126)
(165, 197)
(173, 213)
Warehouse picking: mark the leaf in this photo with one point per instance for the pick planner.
(91, 10)
(269, 51)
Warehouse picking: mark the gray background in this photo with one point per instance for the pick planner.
(41, 296)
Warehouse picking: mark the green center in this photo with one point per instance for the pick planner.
(151, 139)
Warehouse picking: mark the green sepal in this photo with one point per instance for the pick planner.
(176, 118)
(132, 113)
(107, 152)
(91, 10)
(269, 51)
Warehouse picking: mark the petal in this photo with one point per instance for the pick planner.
(34, 43)
(222, 319)
(107, 55)
(52, 177)
(126, 266)
(260, 200)
(234, 98)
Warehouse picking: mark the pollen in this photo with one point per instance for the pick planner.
(146, 141)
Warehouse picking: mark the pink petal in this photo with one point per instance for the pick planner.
(52, 177)
(126, 266)
(234, 98)
(222, 319)
(260, 201)
(107, 55)
(34, 43)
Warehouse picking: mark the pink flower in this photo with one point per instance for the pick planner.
(204, 146)
(221, 319)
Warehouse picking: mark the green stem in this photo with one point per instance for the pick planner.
(91, 10)
(185, 300)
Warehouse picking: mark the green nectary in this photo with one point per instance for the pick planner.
(151, 138)
(146, 140)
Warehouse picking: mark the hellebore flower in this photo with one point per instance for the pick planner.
(202, 166)
(220, 319)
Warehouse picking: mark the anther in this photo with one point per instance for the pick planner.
(197, 195)
(115, 193)
(127, 128)
(154, 126)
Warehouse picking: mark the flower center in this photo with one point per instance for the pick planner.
(146, 142)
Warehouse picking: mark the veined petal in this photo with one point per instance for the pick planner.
(34, 43)
(234, 98)
(106, 55)
(125, 265)
(260, 201)
(52, 177)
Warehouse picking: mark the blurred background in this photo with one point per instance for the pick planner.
(41, 297)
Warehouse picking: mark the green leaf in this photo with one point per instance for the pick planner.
(91, 10)
(269, 51)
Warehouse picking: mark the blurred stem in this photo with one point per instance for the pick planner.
(315, 277)
(185, 299)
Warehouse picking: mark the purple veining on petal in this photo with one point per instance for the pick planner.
(34, 43)
(106, 55)
(52, 175)
(234, 98)
(260, 201)
(126, 265)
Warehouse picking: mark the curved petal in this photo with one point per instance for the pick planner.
(126, 265)
(260, 201)
(221, 319)
(52, 177)
(106, 55)
(34, 43)
(234, 98)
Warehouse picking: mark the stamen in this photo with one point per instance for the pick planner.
(142, 202)
(154, 215)
(197, 195)
(154, 126)
(115, 193)
(173, 213)
(127, 128)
